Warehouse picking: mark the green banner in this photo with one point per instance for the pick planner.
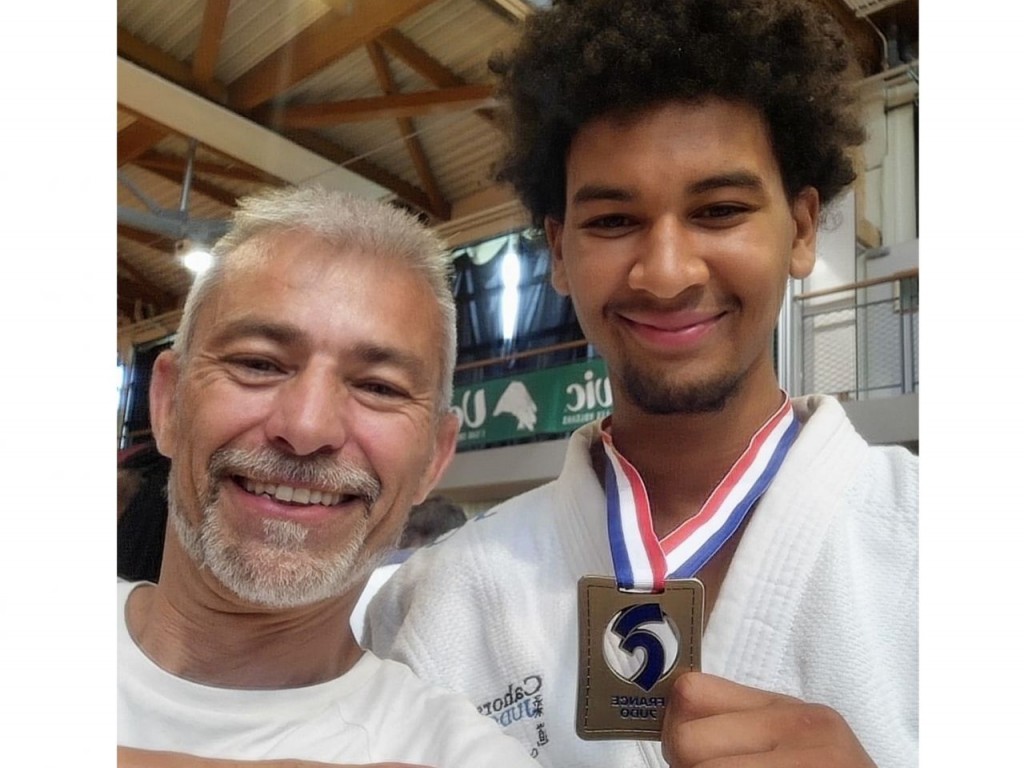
(551, 402)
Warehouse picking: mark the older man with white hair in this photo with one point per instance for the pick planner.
(304, 407)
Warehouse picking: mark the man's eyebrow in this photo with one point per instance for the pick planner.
(743, 179)
(281, 333)
(286, 334)
(378, 354)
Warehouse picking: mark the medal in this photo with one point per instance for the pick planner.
(642, 629)
(632, 647)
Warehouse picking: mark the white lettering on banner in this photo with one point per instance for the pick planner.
(593, 392)
(473, 434)
(575, 419)
(479, 409)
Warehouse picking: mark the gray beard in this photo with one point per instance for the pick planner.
(277, 570)
(657, 397)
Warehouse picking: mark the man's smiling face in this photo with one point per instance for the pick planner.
(304, 423)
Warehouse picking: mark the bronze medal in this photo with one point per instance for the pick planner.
(633, 645)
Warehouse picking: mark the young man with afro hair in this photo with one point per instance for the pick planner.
(678, 155)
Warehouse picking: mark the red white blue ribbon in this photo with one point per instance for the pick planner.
(642, 562)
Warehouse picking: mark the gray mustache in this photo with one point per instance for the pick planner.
(270, 466)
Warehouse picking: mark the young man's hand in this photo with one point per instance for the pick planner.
(714, 723)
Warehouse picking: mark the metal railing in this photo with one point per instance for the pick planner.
(858, 341)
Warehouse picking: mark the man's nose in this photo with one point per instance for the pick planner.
(310, 414)
(669, 260)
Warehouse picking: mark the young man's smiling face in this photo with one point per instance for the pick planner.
(677, 243)
(304, 423)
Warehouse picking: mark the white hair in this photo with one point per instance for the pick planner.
(343, 220)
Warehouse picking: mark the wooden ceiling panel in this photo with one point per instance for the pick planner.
(411, 117)
(329, 38)
(256, 28)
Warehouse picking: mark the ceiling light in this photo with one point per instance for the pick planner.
(510, 274)
(196, 257)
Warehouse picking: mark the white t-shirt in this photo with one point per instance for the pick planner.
(377, 711)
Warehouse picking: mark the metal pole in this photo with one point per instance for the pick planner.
(186, 183)
(785, 341)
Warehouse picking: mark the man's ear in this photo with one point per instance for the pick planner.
(553, 230)
(163, 387)
(805, 210)
(444, 451)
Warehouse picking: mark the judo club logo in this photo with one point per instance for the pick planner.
(641, 644)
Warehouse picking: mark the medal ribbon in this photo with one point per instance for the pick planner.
(642, 562)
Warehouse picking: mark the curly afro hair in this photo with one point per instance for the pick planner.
(584, 59)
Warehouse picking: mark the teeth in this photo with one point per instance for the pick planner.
(294, 495)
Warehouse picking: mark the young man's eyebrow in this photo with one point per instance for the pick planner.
(605, 192)
(591, 192)
(743, 179)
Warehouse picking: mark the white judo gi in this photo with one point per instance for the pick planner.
(820, 600)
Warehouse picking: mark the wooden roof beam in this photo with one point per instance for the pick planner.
(408, 130)
(148, 239)
(418, 60)
(142, 285)
(153, 160)
(514, 11)
(458, 99)
(402, 189)
(152, 58)
(205, 188)
(129, 290)
(426, 66)
(137, 139)
(329, 151)
(204, 60)
(325, 41)
(129, 295)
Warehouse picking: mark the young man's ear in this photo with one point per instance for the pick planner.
(163, 388)
(444, 451)
(553, 230)
(805, 210)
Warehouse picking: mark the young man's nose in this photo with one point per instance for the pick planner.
(668, 260)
